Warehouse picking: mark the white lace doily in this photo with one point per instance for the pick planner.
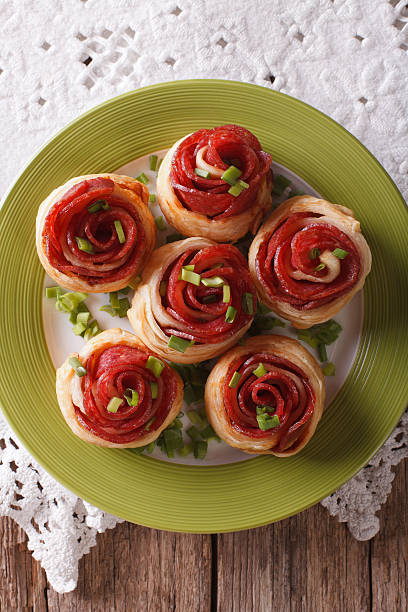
(58, 58)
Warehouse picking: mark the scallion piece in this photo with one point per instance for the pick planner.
(98, 205)
(155, 365)
(125, 290)
(263, 309)
(114, 299)
(142, 178)
(226, 294)
(230, 314)
(153, 162)
(70, 301)
(119, 231)
(84, 245)
(139, 450)
(92, 330)
(185, 450)
(280, 184)
(108, 308)
(320, 267)
(152, 198)
(248, 303)
(131, 396)
(259, 371)
(83, 318)
(195, 418)
(231, 175)
(243, 184)
(322, 352)
(200, 449)
(53, 292)
(178, 344)
(124, 306)
(78, 329)
(77, 366)
(149, 423)
(114, 404)
(160, 224)
(173, 439)
(329, 369)
(233, 383)
(213, 281)
(208, 433)
(154, 389)
(265, 421)
(193, 433)
(190, 277)
(306, 336)
(203, 173)
(236, 190)
(340, 253)
(150, 447)
(314, 253)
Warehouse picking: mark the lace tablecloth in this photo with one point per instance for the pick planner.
(58, 58)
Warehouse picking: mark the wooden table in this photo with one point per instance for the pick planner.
(308, 562)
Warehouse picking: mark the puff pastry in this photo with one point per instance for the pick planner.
(164, 305)
(308, 260)
(116, 360)
(291, 387)
(109, 261)
(198, 206)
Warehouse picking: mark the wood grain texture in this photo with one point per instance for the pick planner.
(307, 563)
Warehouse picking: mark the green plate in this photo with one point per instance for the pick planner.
(368, 406)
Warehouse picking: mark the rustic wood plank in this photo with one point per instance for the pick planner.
(389, 549)
(309, 562)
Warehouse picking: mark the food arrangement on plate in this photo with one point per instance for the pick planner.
(199, 298)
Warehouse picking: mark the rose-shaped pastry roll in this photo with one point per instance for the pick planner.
(196, 300)
(95, 232)
(266, 397)
(115, 393)
(199, 198)
(308, 260)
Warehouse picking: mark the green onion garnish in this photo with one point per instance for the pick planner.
(264, 323)
(150, 447)
(226, 294)
(190, 277)
(77, 366)
(236, 190)
(153, 162)
(208, 433)
(202, 173)
(178, 344)
(193, 433)
(280, 184)
(149, 423)
(114, 299)
(70, 301)
(142, 178)
(259, 371)
(327, 332)
(132, 397)
(139, 450)
(200, 449)
(243, 184)
(230, 314)
(231, 175)
(83, 318)
(79, 327)
(84, 245)
(329, 369)
(53, 292)
(320, 267)
(93, 208)
(185, 450)
(295, 192)
(173, 439)
(155, 365)
(92, 330)
(119, 231)
(322, 352)
(194, 417)
(248, 303)
(114, 404)
(173, 238)
(263, 309)
(124, 306)
(265, 421)
(306, 336)
(340, 253)
(163, 288)
(314, 253)
(107, 308)
(234, 380)
(160, 224)
(125, 290)
(152, 198)
(213, 281)
(154, 387)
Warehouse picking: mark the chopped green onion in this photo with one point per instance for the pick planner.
(114, 300)
(154, 389)
(192, 393)
(213, 281)
(236, 190)
(114, 404)
(163, 288)
(190, 277)
(125, 290)
(306, 336)
(150, 447)
(149, 423)
(314, 253)
(77, 366)
(320, 267)
(70, 301)
(243, 184)
(340, 253)
(231, 175)
(194, 417)
(265, 421)
(259, 371)
(107, 308)
(139, 450)
(234, 380)
(322, 352)
(124, 306)
(142, 178)
(173, 439)
(295, 192)
(53, 292)
(119, 231)
(93, 208)
(200, 449)
(153, 162)
(248, 303)
(327, 332)
(84, 245)
(155, 365)
(189, 267)
(132, 397)
(226, 294)
(230, 314)
(152, 198)
(160, 224)
(280, 184)
(263, 309)
(178, 344)
(173, 238)
(193, 433)
(208, 433)
(78, 329)
(92, 330)
(185, 450)
(202, 173)
(329, 369)
(262, 323)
